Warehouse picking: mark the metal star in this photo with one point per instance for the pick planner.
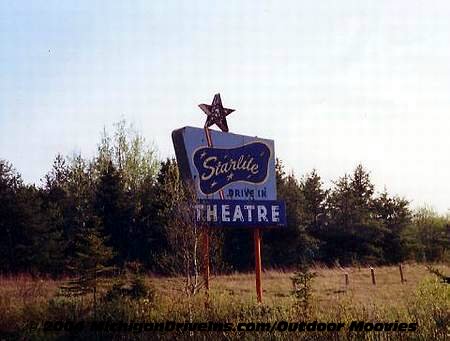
(216, 113)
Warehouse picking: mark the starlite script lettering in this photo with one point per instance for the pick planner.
(219, 167)
(216, 167)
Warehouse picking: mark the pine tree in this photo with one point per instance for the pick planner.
(41, 247)
(10, 182)
(394, 214)
(313, 203)
(91, 262)
(313, 212)
(89, 256)
(30, 242)
(115, 212)
(354, 234)
(150, 241)
(292, 245)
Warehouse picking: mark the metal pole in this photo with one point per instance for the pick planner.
(257, 241)
(206, 234)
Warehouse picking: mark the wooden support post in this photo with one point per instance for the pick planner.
(400, 267)
(346, 279)
(257, 241)
(372, 272)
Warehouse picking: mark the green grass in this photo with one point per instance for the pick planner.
(421, 299)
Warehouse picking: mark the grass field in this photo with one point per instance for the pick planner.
(421, 299)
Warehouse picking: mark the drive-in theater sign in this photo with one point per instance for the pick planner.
(234, 178)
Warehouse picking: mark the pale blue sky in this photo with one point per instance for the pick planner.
(334, 83)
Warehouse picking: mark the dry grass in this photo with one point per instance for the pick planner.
(19, 292)
(328, 286)
(233, 298)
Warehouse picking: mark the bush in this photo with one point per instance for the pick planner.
(135, 289)
(302, 291)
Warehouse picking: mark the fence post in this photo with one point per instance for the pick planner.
(257, 242)
(346, 279)
(400, 267)
(372, 272)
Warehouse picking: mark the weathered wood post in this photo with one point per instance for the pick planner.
(346, 279)
(257, 240)
(372, 272)
(400, 267)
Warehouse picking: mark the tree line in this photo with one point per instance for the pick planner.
(122, 206)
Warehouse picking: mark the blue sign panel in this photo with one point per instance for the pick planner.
(241, 213)
(219, 167)
(241, 167)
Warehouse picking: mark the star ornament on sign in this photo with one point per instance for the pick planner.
(216, 113)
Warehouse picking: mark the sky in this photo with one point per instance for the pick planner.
(334, 83)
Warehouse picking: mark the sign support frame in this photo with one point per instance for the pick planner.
(216, 114)
(206, 232)
(256, 241)
(206, 235)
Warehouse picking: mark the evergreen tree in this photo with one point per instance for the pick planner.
(292, 245)
(394, 214)
(127, 203)
(146, 235)
(114, 210)
(313, 203)
(56, 205)
(30, 242)
(152, 217)
(90, 263)
(353, 233)
(129, 192)
(40, 249)
(287, 244)
(78, 206)
(10, 182)
(88, 253)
